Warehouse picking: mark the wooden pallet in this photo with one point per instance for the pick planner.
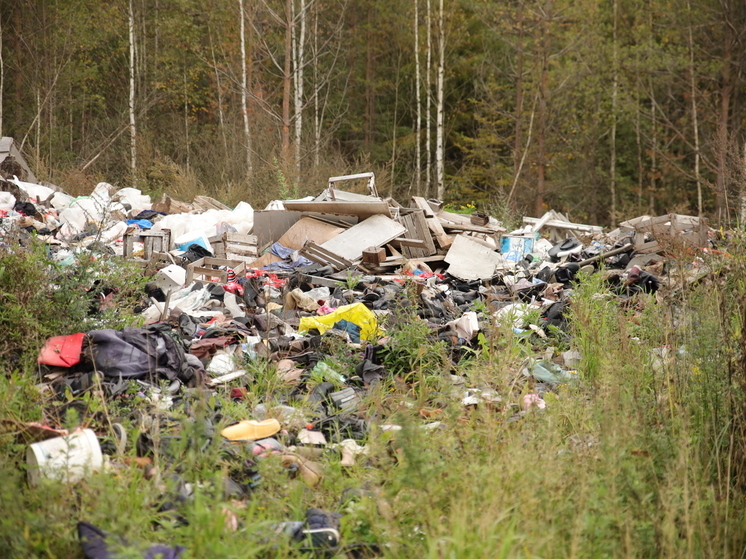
(234, 246)
(153, 241)
(207, 270)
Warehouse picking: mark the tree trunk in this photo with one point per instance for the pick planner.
(186, 121)
(287, 82)
(653, 124)
(219, 89)
(638, 140)
(695, 121)
(439, 141)
(726, 89)
(298, 63)
(133, 126)
(743, 188)
(418, 103)
(614, 90)
(369, 79)
(2, 78)
(543, 93)
(244, 88)
(517, 148)
(316, 107)
(428, 101)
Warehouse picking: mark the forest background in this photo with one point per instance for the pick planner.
(605, 109)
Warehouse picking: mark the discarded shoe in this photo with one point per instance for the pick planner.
(251, 430)
(309, 471)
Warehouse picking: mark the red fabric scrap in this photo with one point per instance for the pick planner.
(270, 279)
(62, 351)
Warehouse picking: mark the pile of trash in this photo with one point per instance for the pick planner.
(234, 288)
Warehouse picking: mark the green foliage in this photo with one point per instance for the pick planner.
(406, 355)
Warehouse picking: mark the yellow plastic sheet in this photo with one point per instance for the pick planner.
(357, 313)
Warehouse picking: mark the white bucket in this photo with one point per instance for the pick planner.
(65, 459)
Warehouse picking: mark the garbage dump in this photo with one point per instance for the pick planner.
(235, 291)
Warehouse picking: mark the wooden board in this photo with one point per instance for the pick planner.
(374, 231)
(318, 254)
(362, 209)
(308, 229)
(417, 228)
(470, 260)
(270, 225)
(439, 234)
(264, 260)
(203, 270)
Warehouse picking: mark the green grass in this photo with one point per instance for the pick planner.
(644, 457)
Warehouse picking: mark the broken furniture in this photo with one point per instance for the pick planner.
(153, 241)
(209, 270)
(559, 227)
(649, 232)
(233, 246)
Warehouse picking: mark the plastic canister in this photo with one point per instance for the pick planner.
(67, 459)
(184, 241)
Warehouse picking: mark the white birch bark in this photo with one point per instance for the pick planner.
(244, 89)
(299, 41)
(428, 97)
(316, 107)
(133, 124)
(439, 141)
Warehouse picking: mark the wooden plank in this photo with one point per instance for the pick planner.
(439, 235)
(362, 209)
(420, 203)
(417, 229)
(239, 238)
(374, 231)
(314, 252)
(470, 260)
(565, 225)
(451, 226)
(207, 203)
(409, 243)
(204, 270)
(308, 229)
(270, 225)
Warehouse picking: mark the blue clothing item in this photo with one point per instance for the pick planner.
(352, 329)
(141, 223)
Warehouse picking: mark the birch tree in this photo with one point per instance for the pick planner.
(439, 145)
(244, 89)
(299, 62)
(133, 126)
(428, 99)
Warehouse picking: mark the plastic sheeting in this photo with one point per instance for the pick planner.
(357, 313)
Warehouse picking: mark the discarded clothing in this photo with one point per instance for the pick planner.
(137, 353)
(93, 541)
